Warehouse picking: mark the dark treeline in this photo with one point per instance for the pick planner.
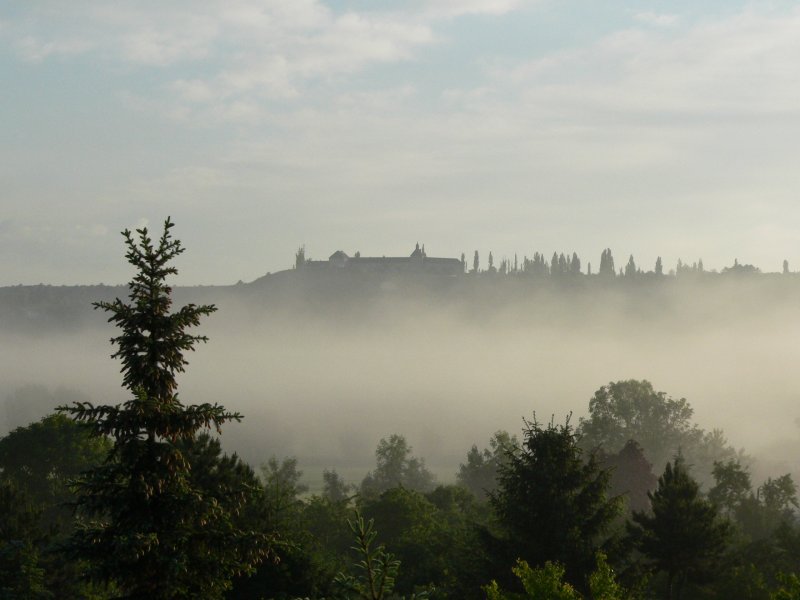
(607, 508)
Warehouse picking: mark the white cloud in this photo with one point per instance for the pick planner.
(34, 50)
(165, 47)
(248, 51)
(456, 8)
(656, 19)
(742, 65)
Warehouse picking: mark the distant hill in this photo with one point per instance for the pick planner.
(358, 296)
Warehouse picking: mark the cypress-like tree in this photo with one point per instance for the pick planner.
(630, 268)
(147, 523)
(607, 264)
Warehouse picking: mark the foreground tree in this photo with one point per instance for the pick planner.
(376, 570)
(551, 501)
(683, 535)
(546, 583)
(147, 523)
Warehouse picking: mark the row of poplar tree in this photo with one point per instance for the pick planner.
(564, 265)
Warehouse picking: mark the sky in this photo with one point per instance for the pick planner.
(654, 128)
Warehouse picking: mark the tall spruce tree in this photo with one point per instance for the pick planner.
(147, 523)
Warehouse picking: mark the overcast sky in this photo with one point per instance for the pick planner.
(654, 128)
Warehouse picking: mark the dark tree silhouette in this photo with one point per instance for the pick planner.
(607, 264)
(148, 525)
(551, 501)
(683, 535)
(631, 475)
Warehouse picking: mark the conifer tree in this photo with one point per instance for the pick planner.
(630, 268)
(575, 264)
(147, 523)
(551, 501)
(683, 535)
(607, 264)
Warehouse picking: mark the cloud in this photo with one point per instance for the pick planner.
(152, 47)
(457, 8)
(34, 50)
(275, 40)
(740, 65)
(656, 19)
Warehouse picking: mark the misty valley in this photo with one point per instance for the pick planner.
(398, 430)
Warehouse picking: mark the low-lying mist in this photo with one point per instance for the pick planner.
(323, 375)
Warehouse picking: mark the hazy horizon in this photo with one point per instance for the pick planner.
(324, 377)
(508, 125)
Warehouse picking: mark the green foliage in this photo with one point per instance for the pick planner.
(479, 473)
(789, 590)
(282, 489)
(424, 538)
(633, 410)
(603, 583)
(376, 570)
(743, 582)
(547, 583)
(683, 536)
(21, 575)
(334, 487)
(40, 460)
(544, 583)
(43, 457)
(395, 465)
(732, 486)
(315, 533)
(551, 501)
(147, 523)
(780, 495)
(758, 515)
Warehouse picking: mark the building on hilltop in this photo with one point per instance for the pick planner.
(417, 262)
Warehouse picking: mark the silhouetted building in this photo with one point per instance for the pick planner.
(417, 262)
